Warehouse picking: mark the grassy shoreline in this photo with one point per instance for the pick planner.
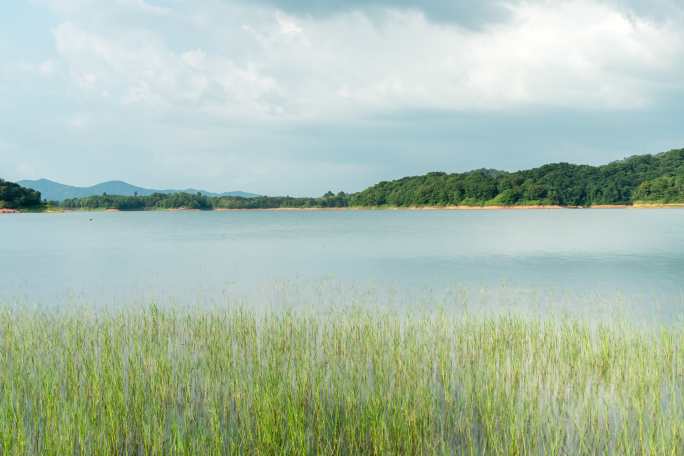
(234, 381)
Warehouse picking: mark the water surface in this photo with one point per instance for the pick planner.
(104, 256)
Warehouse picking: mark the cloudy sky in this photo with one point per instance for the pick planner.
(301, 96)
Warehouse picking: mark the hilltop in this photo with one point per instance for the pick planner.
(642, 178)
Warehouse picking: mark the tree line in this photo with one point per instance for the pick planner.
(650, 178)
(140, 203)
(643, 178)
(202, 202)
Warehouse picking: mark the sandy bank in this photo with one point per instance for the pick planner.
(295, 209)
(658, 206)
(482, 208)
(399, 208)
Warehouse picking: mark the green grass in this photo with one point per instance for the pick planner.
(348, 382)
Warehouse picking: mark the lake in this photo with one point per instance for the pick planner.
(106, 257)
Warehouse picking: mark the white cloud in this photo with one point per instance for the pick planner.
(78, 121)
(47, 67)
(76, 7)
(571, 54)
(287, 24)
(144, 72)
(225, 94)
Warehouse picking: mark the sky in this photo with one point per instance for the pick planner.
(303, 96)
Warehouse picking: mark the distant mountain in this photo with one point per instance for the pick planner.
(54, 191)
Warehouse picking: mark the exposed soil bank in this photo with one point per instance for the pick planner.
(658, 206)
(392, 208)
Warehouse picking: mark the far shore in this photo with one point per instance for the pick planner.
(393, 208)
(458, 208)
(375, 208)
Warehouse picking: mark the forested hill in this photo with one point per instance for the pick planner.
(648, 178)
(644, 178)
(14, 196)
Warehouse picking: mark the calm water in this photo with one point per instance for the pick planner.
(636, 253)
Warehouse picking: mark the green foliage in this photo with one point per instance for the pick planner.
(158, 382)
(198, 201)
(328, 200)
(555, 184)
(138, 203)
(665, 189)
(653, 178)
(14, 196)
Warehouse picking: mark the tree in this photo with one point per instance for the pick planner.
(14, 196)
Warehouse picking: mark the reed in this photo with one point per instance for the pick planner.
(352, 381)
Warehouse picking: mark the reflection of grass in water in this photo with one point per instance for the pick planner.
(163, 381)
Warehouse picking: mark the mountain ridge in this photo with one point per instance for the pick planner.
(56, 191)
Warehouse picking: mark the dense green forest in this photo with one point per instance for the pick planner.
(649, 178)
(271, 202)
(13, 196)
(643, 178)
(665, 189)
(199, 201)
(139, 203)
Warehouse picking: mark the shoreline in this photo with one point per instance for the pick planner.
(658, 205)
(392, 208)
(459, 208)
(372, 208)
